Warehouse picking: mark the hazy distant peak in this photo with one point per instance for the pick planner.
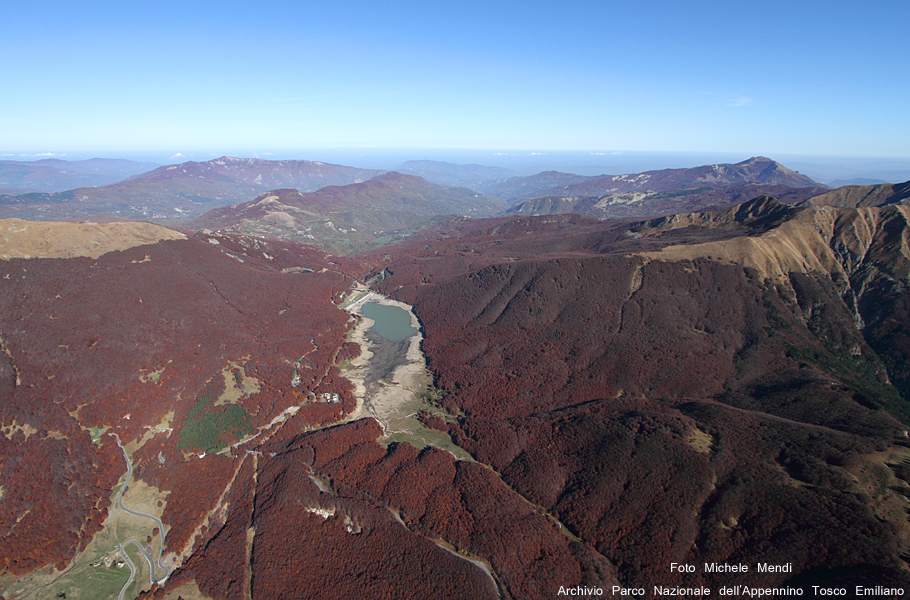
(472, 176)
(431, 163)
(552, 173)
(765, 170)
(403, 179)
(235, 160)
(855, 181)
(396, 176)
(185, 190)
(57, 175)
(756, 170)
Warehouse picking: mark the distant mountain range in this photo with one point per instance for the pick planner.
(55, 175)
(757, 170)
(532, 185)
(644, 204)
(345, 219)
(444, 173)
(183, 191)
(855, 181)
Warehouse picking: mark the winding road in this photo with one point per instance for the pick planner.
(142, 550)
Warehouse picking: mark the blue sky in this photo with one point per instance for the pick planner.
(757, 78)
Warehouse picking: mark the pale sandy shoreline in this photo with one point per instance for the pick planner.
(387, 404)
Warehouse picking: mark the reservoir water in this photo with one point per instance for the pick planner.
(392, 323)
(390, 376)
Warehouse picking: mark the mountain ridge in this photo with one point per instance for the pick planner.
(343, 219)
(183, 191)
(647, 204)
(758, 169)
(862, 196)
(672, 372)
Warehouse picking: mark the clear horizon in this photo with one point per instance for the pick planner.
(821, 168)
(708, 77)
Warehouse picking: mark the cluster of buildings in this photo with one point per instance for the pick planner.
(109, 562)
(329, 397)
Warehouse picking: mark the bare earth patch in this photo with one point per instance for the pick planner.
(38, 239)
(237, 386)
(701, 441)
(883, 476)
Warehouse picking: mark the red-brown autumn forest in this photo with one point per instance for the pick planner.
(718, 387)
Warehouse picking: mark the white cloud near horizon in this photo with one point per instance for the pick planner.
(741, 101)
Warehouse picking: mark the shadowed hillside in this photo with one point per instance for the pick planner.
(723, 396)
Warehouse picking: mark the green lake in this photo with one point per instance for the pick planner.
(392, 323)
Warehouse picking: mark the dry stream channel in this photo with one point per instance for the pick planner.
(390, 378)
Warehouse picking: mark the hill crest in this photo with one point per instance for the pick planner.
(755, 170)
(40, 239)
(344, 219)
(181, 192)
